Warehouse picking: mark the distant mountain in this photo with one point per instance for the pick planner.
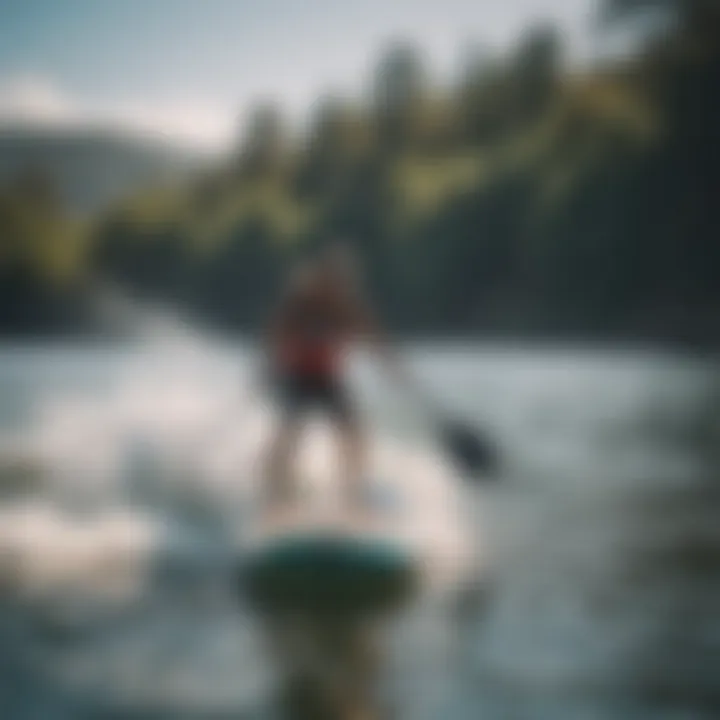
(92, 168)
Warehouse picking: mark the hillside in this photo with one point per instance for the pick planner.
(91, 168)
(525, 199)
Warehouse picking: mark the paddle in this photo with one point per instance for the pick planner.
(473, 451)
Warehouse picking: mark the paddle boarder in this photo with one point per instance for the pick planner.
(322, 313)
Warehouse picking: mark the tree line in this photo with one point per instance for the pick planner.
(525, 199)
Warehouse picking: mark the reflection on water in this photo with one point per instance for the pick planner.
(128, 476)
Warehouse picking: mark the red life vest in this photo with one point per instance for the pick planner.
(301, 357)
(314, 338)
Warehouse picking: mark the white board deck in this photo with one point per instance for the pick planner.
(306, 520)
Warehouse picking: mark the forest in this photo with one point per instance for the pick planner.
(526, 199)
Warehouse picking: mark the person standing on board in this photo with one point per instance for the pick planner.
(321, 315)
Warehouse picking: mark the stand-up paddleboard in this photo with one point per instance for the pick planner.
(334, 562)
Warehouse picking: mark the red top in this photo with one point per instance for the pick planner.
(312, 333)
(300, 356)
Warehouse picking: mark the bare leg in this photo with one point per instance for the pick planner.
(279, 473)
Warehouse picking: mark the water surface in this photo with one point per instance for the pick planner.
(126, 475)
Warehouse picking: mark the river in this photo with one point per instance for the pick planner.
(124, 476)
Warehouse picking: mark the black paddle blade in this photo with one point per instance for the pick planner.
(472, 451)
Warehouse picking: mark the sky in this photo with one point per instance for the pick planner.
(191, 69)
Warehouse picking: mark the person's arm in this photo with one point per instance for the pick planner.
(281, 316)
(275, 327)
(371, 333)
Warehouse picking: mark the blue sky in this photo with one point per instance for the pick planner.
(190, 68)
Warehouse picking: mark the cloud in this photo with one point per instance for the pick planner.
(38, 102)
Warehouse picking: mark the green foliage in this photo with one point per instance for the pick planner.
(523, 199)
(43, 260)
(37, 237)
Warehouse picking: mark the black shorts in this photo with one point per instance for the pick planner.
(298, 394)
